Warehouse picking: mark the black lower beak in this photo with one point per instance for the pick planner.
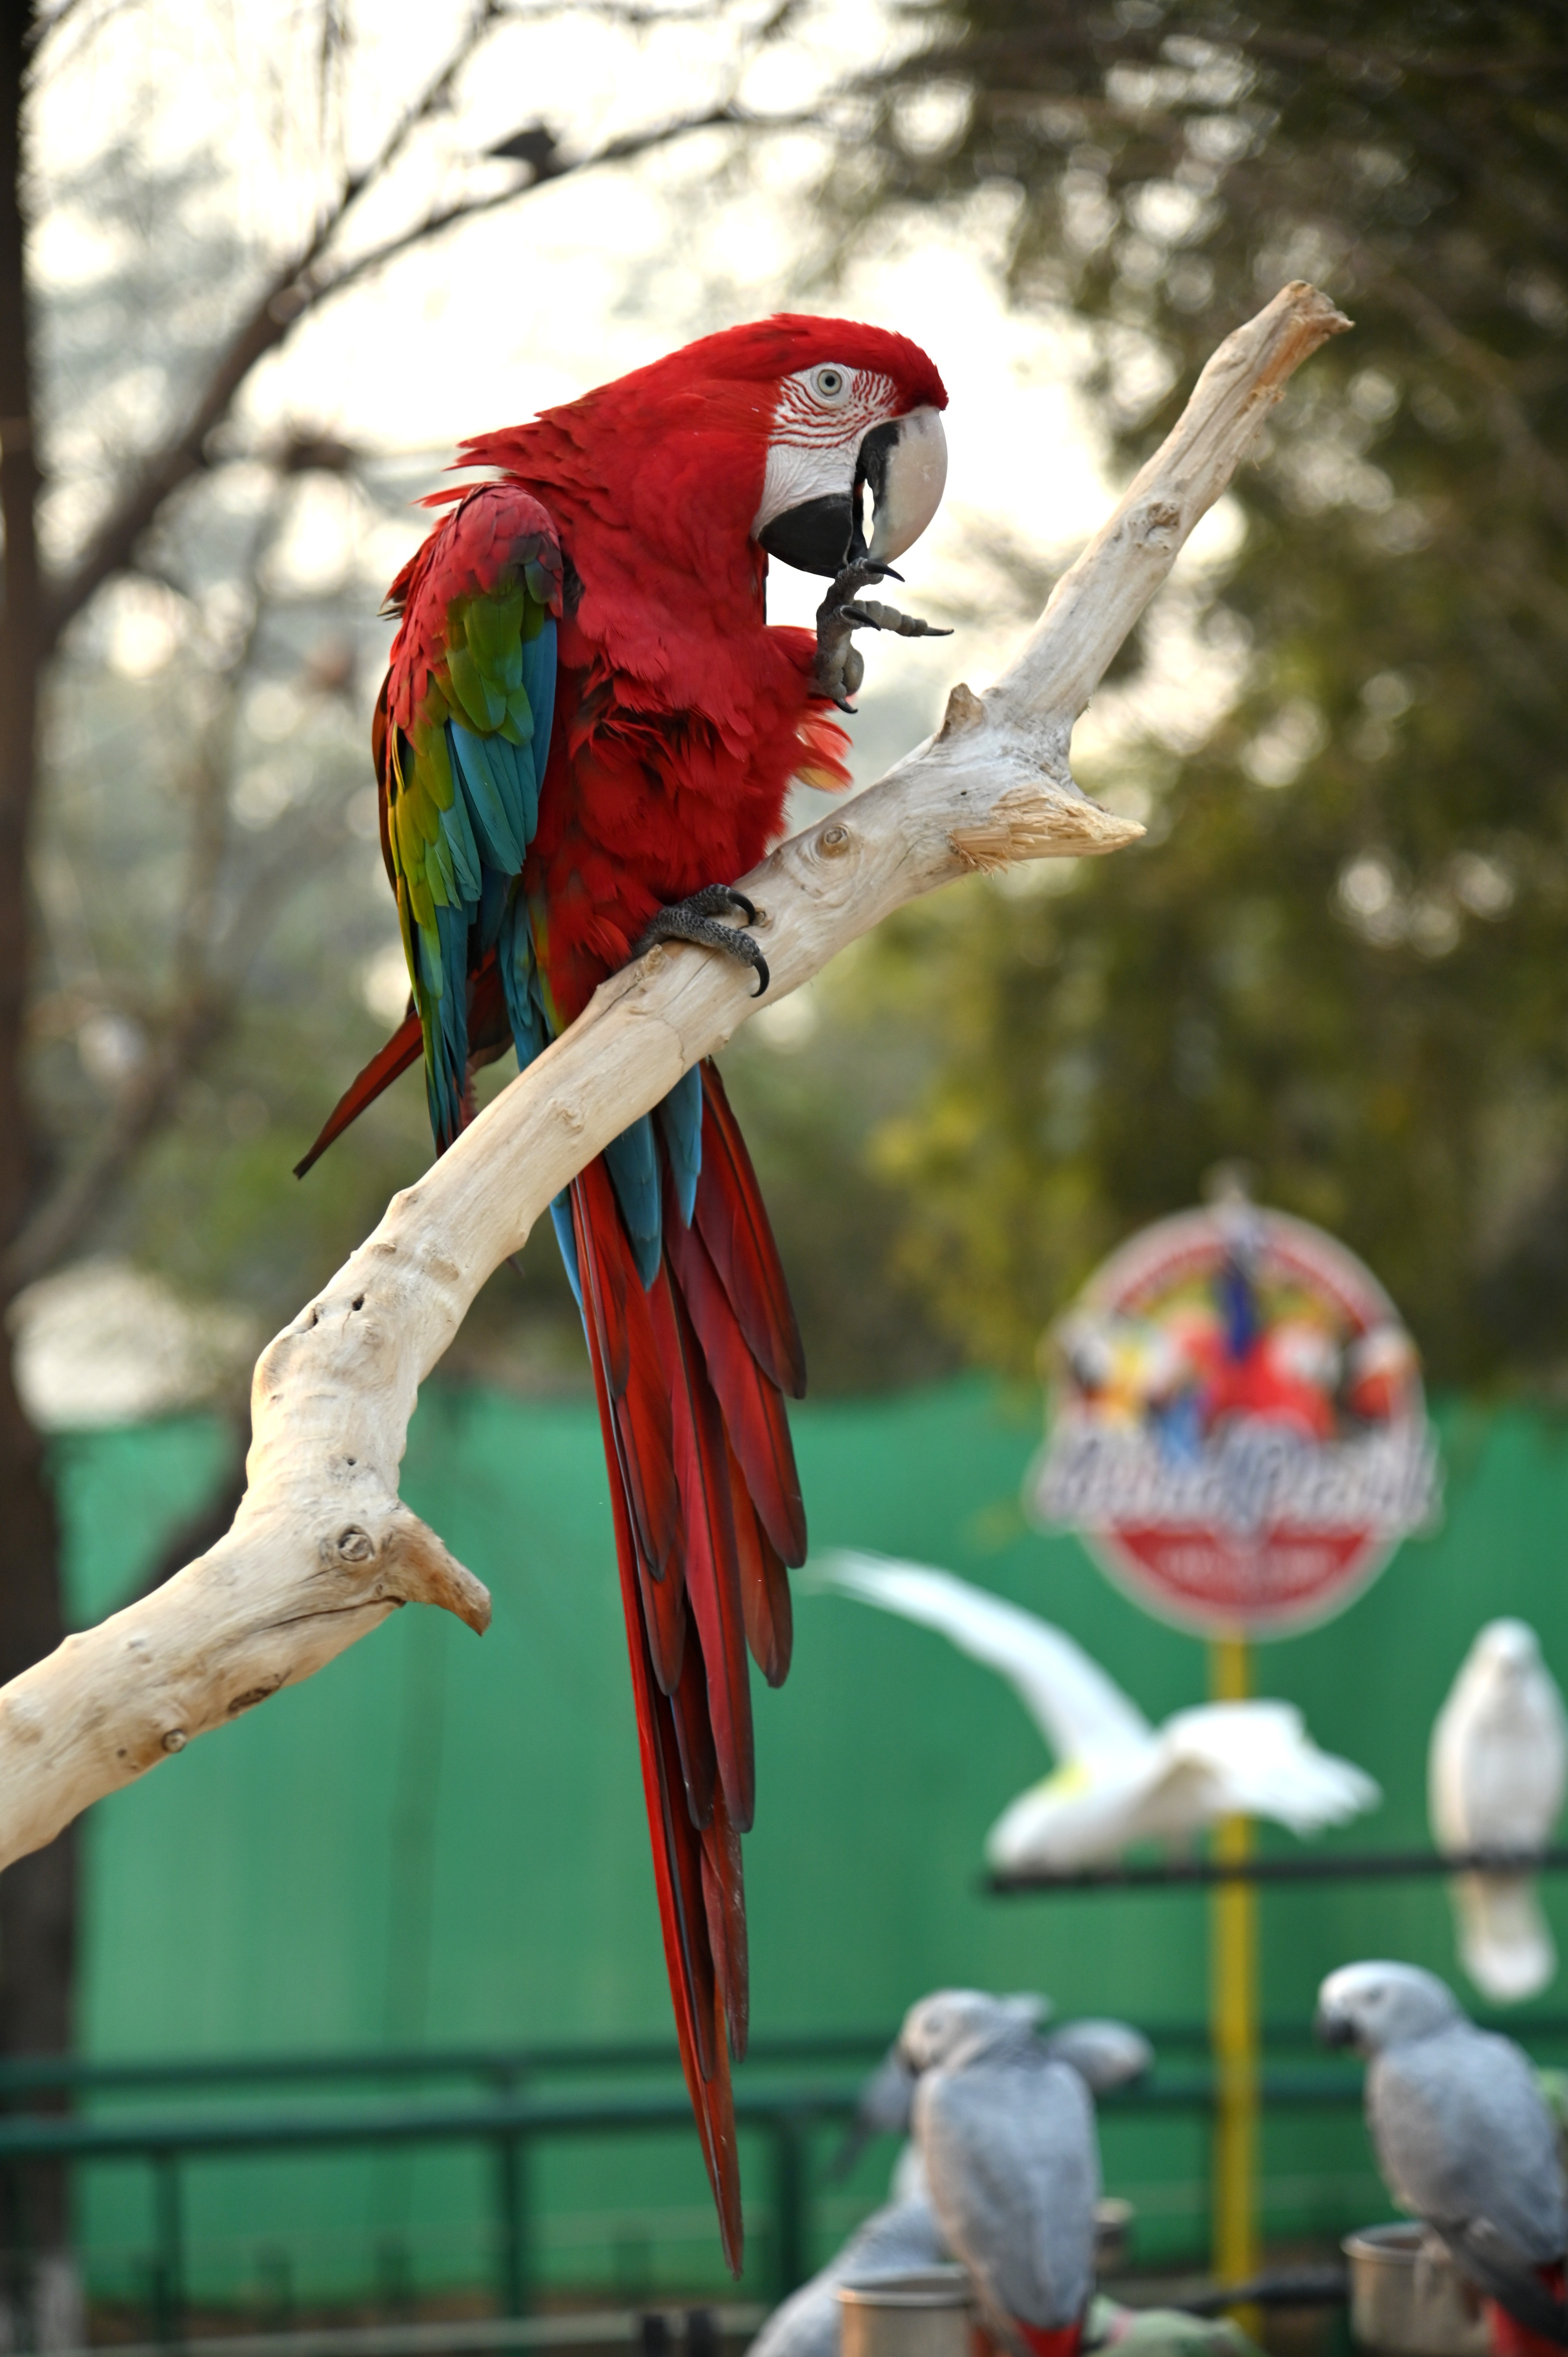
(1334, 2029)
(820, 536)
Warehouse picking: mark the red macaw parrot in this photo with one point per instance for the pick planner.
(587, 727)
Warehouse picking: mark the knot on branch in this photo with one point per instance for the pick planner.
(406, 1564)
(1158, 524)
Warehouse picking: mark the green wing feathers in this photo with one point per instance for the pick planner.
(469, 704)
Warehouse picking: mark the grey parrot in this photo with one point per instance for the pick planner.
(903, 2234)
(1006, 2134)
(883, 2103)
(1464, 2139)
(1104, 2053)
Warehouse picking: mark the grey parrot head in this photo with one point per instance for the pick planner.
(1371, 2007)
(952, 2024)
(1105, 2054)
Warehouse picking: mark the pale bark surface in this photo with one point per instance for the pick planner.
(322, 1548)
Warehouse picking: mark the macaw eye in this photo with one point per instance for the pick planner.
(831, 385)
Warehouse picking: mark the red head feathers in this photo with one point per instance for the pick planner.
(780, 431)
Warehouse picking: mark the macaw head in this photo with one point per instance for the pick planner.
(818, 441)
(856, 458)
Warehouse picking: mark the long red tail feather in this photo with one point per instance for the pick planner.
(405, 1048)
(763, 1590)
(489, 1034)
(712, 1563)
(754, 1406)
(724, 1888)
(734, 1228)
(679, 1880)
(689, 1374)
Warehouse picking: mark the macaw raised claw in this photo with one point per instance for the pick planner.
(839, 667)
(587, 726)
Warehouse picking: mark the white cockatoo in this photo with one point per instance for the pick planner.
(1117, 1779)
(1496, 1776)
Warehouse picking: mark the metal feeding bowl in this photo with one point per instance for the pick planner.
(1112, 2233)
(916, 2313)
(1407, 2296)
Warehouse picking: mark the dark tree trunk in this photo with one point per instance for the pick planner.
(38, 1896)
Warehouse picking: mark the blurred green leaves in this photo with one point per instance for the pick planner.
(1340, 954)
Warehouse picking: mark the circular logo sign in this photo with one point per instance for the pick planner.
(1239, 1430)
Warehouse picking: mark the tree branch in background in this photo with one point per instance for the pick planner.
(203, 990)
(312, 276)
(322, 1549)
(1486, 372)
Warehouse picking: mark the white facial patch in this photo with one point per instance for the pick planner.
(815, 439)
(795, 476)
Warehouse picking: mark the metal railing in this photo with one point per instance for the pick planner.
(515, 2116)
(501, 2067)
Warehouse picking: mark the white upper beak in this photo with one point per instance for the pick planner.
(911, 489)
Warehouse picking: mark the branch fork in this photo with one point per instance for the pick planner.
(322, 1548)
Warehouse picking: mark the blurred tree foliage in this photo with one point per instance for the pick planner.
(208, 905)
(1340, 954)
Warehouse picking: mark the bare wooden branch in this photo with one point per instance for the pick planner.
(322, 1548)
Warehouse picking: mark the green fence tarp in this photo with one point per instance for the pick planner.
(440, 1839)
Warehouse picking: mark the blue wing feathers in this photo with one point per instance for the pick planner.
(495, 903)
(500, 822)
(482, 842)
(446, 1036)
(519, 983)
(539, 684)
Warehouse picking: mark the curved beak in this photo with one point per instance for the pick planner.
(1333, 2028)
(906, 475)
(903, 465)
(817, 536)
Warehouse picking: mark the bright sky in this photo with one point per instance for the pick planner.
(595, 274)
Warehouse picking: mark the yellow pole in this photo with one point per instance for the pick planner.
(1233, 2019)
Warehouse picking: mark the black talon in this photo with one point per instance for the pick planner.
(840, 668)
(697, 919)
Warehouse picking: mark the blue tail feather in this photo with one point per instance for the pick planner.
(567, 1237)
(679, 1118)
(634, 1170)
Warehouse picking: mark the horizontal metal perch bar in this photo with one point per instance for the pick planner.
(322, 1548)
(52, 2136)
(1329, 1865)
(589, 2328)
